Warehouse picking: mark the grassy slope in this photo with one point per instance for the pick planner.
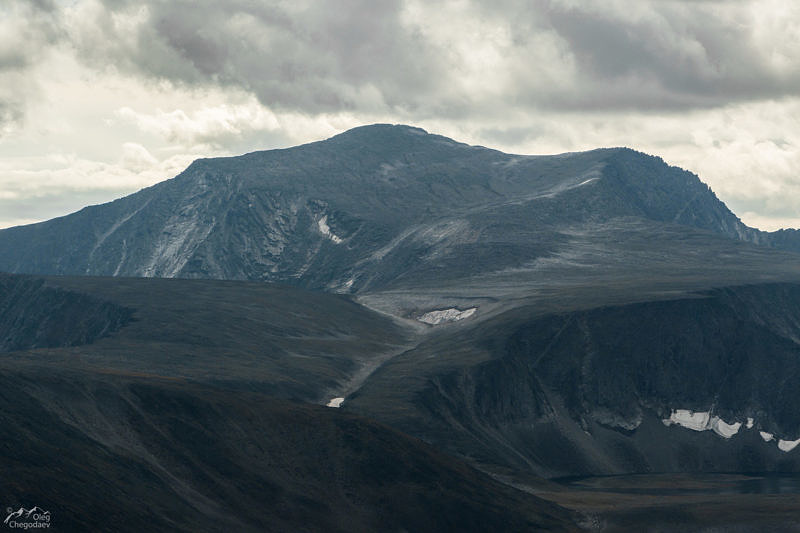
(287, 342)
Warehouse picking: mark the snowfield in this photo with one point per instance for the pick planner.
(446, 315)
(703, 421)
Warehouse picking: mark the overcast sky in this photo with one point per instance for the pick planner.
(99, 98)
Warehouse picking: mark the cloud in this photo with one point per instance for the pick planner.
(748, 153)
(213, 126)
(677, 54)
(27, 31)
(124, 87)
(293, 56)
(424, 59)
(460, 59)
(58, 173)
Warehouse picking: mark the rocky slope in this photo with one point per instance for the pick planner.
(705, 382)
(366, 210)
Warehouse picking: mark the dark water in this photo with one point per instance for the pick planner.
(666, 484)
(769, 484)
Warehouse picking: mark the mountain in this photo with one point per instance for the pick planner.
(597, 313)
(366, 210)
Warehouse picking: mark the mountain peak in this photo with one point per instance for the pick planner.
(395, 137)
(379, 128)
(362, 209)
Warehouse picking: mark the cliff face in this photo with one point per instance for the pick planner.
(706, 382)
(33, 315)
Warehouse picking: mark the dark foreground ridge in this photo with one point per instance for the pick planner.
(175, 406)
(132, 454)
(33, 315)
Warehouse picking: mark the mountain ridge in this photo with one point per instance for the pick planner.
(589, 313)
(325, 213)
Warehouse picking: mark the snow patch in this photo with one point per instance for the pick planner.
(688, 419)
(326, 230)
(787, 445)
(335, 402)
(702, 421)
(446, 315)
(723, 429)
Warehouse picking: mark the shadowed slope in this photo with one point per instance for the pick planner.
(113, 453)
(585, 391)
(282, 340)
(33, 315)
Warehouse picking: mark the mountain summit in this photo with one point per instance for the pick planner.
(369, 209)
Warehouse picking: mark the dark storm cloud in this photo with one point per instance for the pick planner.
(361, 55)
(317, 57)
(27, 31)
(674, 55)
(366, 56)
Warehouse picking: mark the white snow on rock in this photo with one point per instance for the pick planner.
(695, 421)
(702, 421)
(335, 402)
(723, 429)
(446, 315)
(326, 230)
